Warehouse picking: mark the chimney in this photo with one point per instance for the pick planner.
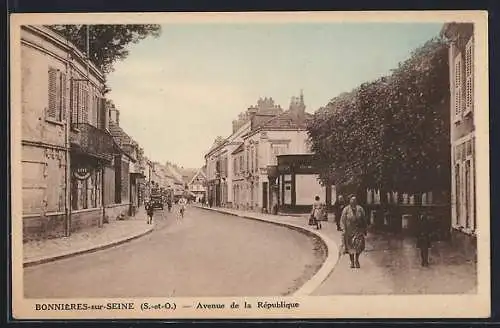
(298, 108)
(114, 115)
(235, 125)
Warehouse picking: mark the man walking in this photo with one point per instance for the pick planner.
(337, 208)
(149, 212)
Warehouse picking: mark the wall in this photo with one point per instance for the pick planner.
(109, 185)
(36, 227)
(82, 219)
(113, 211)
(307, 187)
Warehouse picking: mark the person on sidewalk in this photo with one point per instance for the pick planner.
(424, 238)
(337, 209)
(149, 212)
(317, 213)
(354, 225)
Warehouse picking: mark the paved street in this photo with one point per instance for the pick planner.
(205, 254)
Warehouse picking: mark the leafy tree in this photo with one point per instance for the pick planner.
(107, 43)
(392, 133)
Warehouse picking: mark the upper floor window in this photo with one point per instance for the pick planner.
(278, 149)
(469, 76)
(57, 95)
(458, 81)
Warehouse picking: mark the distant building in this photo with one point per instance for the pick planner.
(197, 185)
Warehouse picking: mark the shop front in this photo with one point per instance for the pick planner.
(295, 183)
(86, 192)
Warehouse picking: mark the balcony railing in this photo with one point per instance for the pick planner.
(90, 140)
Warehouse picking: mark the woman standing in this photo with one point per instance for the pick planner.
(317, 213)
(353, 222)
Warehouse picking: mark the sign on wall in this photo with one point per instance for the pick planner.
(81, 173)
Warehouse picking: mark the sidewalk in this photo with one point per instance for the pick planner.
(86, 241)
(389, 265)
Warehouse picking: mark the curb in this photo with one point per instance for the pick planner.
(332, 249)
(31, 263)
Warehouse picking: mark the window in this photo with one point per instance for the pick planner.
(252, 160)
(256, 158)
(278, 149)
(469, 76)
(467, 194)
(57, 95)
(464, 178)
(235, 165)
(80, 102)
(241, 162)
(87, 193)
(457, 99)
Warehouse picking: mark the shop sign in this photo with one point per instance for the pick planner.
(81, 173)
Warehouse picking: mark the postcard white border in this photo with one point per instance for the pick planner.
(339, 306)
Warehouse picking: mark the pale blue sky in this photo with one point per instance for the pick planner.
(178, 92)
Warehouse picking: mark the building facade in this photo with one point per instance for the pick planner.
(65, 144)
(197, 185)
(462, 129)
(282, 133)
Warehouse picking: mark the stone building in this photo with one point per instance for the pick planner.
(283, 133)
(65, 145)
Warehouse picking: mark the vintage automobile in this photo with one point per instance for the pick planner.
(157, 201)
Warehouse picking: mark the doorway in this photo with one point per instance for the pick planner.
(264, 196)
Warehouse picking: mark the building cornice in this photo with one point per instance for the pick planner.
(65, 45)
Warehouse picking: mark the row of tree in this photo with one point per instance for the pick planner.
(392, 133)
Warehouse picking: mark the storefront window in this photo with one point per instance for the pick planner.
(86, 193)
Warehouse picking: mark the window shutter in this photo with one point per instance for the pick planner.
(64, 96)
(458, 88)
(52, 94)
(469, 76)
(102, 113)
(74, 102)
(85, 103)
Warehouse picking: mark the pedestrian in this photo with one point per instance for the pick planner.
(149, 211)
(317, 213)
(354, 225)
(182, 206)
(169, 204)
(337, 209)
(424, 238)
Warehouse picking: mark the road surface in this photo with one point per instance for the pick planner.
(206, 254)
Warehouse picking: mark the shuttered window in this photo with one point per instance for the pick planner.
(469, 76)
(75, 95)
(458, 103)
(55, 95)
(63, 104)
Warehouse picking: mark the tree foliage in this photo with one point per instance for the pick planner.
(107, 43)
(390, 133)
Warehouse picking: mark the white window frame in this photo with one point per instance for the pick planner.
(461, 220)
(469, 77)
(457, 88)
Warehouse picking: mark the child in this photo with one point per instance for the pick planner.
(149, 211)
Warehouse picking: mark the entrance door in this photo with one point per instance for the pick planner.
(264, 195)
